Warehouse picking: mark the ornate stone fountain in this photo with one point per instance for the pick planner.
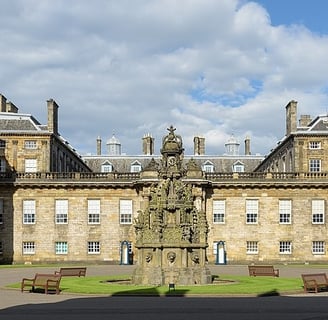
(171, 233)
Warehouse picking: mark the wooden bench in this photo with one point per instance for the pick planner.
(72, 271)
(315, 282)
(263, 271)
(43, 280)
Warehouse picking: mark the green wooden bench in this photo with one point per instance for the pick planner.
(42, 280)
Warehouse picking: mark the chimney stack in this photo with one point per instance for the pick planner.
(304, 120)
(199, 146)
(98, 146)
(291, 117)
(10, 107)
(148, 144)
(2, 103)
(247, 146)
(52, 116)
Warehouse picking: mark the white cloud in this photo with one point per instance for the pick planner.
(210, 68)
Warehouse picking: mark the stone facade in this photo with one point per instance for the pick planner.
(276, 214)
(26, 145)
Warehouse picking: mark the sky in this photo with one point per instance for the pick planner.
(210, 68)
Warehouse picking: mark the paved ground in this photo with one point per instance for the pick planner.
(16, 305)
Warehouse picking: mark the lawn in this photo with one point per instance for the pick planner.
(224, 285)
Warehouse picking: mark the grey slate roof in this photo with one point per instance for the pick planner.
(18, 122)
(221, 163)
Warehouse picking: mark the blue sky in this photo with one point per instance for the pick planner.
(210, 68)
(310, 13)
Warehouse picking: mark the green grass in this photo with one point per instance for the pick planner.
(228, 285)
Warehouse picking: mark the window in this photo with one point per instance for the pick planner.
(2, 165)
(315, 165)
(1, 211)
(106, 167)
(125, 211)
(314, 145)
(285, 247)
(251, 211)
(135, 166)
(30, 144)
(318, 247)
(2, 144)
(61, 247)
(93, 211)
(208, 166)
(30, 165)
(318, 211)
(218, 211)
(29, 247)
(238, 167)
(1, 247)
(93, 247)
(285, 211)
(61, 208)
(29, 211)
(252, 247)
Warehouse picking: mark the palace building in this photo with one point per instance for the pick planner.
(57, 206)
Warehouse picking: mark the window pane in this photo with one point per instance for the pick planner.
(106, 168)
(29, 247)
(30, 165)
(61, 211)
(218, 211)
(315, 165)
(252, 247)
(29, 211)
(285, 207)
(318, 211)
(93, 247)
(30, 144)
(251, 211)
(314, 145)
(125, 211)
(94, 211)
(285, 247)
(61, 248)
(318, 247)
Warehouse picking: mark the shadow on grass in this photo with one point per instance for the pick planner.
(151, 292)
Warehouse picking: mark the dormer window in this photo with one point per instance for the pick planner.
(135, 166)
(208, 166)
(106, 167)
(238, 166)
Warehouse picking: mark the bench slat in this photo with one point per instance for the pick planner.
(72, 271)
(258, 270)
